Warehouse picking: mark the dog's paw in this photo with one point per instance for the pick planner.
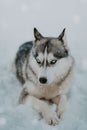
(52, 119)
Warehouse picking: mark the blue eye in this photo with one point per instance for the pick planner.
(53, 62)
(38, 61)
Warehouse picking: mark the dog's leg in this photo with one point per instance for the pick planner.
(61, 102)
(23, 96)
(61, 105)
(41, 107)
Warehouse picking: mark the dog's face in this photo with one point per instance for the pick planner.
(48, 56)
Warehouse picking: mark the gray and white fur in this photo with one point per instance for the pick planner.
(44, 67)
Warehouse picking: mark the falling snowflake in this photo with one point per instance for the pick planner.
(24, 8)
(76, 19)
(2, 121)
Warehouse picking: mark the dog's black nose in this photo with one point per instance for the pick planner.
(43, 80)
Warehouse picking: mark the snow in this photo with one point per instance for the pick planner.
(2, 121)
(17, 20)
(84, 64)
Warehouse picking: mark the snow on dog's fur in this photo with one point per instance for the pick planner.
(44, 67)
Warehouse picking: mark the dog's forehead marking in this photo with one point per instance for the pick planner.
(53, 46)
(47, 50)
(45, 56)
(50, 57)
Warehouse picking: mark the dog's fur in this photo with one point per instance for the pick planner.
(44, 67)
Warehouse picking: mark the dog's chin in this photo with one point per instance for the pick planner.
(44, 84)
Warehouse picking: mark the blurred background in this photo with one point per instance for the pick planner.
(17, 20)
(19, 17)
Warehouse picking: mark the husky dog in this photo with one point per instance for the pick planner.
(44, 67)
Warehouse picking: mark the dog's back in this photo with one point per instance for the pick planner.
(20, 59)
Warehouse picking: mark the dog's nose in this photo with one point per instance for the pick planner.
(43, 80)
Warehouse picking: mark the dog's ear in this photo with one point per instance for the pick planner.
(63, 39)
(62, 35)
(37, 35)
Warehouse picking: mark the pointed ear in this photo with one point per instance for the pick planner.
(37, 35)
(61, 36)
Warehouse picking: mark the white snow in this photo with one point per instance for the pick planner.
(17, 20)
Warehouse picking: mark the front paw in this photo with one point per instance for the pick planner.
(51, 119)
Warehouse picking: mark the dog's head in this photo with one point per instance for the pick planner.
(48, 55)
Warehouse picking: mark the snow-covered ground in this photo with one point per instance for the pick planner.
(17, 19)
